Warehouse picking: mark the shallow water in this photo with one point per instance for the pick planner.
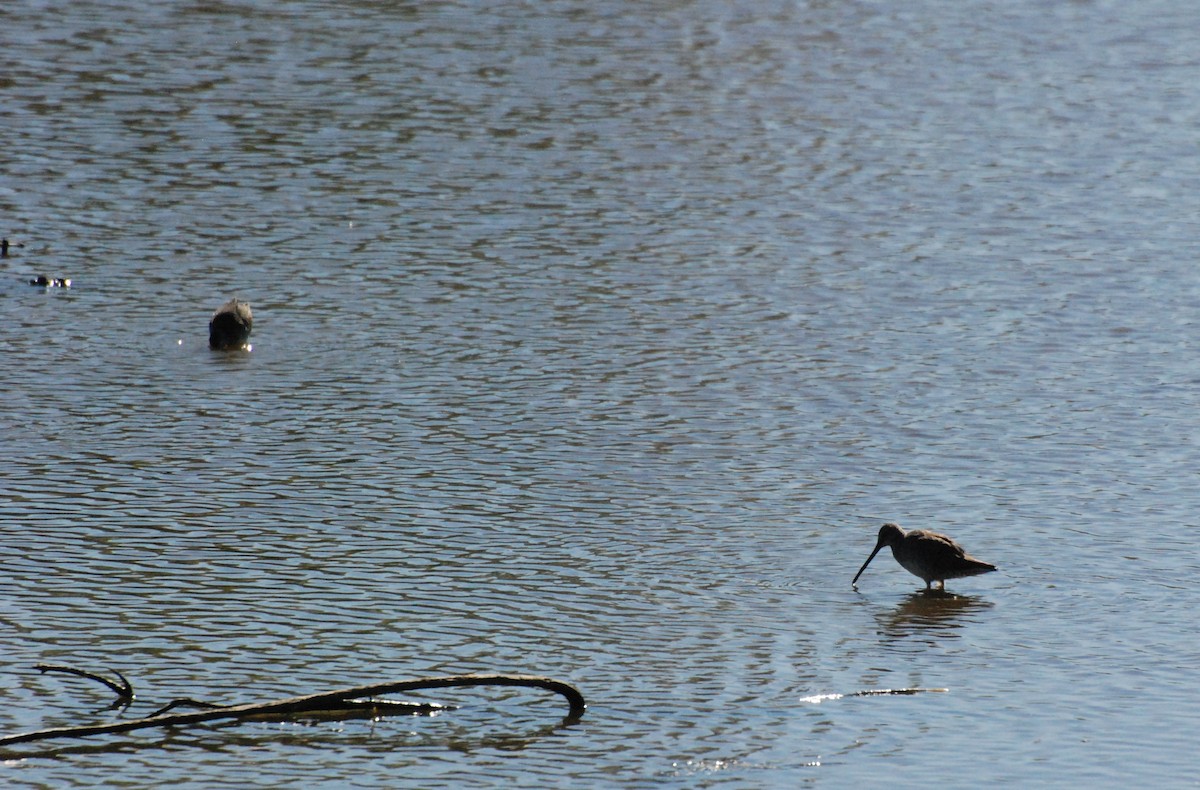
(596, 341)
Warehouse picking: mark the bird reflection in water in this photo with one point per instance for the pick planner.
(924, 611)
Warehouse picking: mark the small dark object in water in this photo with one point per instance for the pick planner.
(4, 247)
(230, 326)
(50, 282)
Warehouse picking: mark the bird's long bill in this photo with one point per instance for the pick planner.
(878, 546)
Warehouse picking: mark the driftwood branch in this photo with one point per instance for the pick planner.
(186, 702)
(885, 692)
(123, 690)
(312, 702)
(816, 698)
(343, 709)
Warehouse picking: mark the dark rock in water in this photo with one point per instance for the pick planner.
(230, 326)
(50, 282)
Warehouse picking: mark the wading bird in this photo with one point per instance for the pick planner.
(927, 554)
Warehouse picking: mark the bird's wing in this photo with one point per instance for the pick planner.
(936, 547)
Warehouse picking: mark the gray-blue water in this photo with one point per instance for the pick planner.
(596, 340)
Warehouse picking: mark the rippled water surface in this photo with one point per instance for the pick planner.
(596, 340)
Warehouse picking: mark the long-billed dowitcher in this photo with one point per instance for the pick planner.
(927, 554)
(230, 326)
